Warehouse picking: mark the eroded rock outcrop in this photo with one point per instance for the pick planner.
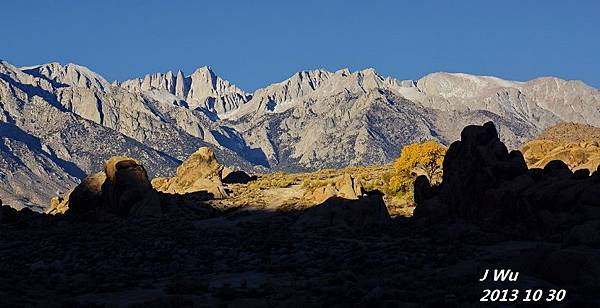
(127, 190)
(201, 171)
(84, 197)
(345, 187)
(486, 184)
(122, 188)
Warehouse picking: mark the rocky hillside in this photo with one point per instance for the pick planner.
(318, 118)
(45, 148)
(312, 120)
(370, 117)
(577, 145)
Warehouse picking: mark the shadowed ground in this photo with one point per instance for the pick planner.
(490, 212)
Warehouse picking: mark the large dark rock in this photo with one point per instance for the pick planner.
(87, 196)
(7, 213)
(423, 189)
(473, 165)
(127, 190)
(484, 183)
(238, 177)
(122, 188)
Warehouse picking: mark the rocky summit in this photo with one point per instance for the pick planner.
(60, 122)
(270, 242)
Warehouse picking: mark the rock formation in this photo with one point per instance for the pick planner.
(201, 171)
(202, 89)
(348, 252)
(486, 184)
(127, 190)
(85, 197)
(122, 189)
(345, 187)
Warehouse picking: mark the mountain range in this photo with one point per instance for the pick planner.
(60, 122)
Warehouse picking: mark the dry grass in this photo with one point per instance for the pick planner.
(257, 192)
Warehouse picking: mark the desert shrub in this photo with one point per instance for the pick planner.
(282, 182)
(274, 180)
(307, 183)
(253, 185)
(315, 183)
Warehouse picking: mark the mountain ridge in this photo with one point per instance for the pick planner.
(313, 119)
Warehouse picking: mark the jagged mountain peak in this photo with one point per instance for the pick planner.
(202, 89)
(206, 69)
(344, 72)
(69, 74)
(368, 71)
(312, 86)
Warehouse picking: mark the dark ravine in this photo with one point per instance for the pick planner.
(490, 212)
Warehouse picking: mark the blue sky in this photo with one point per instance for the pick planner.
(255, 43)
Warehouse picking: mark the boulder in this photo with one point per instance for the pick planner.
(201, 164)
(596, 174)
(476, 163)
(320, 194)
(7, 213)
(200, 172)
(237, 177)
(159, 182)
(557, 168)
(344, 186)
(85, 197)
(581, 174)
(423, 189)
(575, 144)
(122, 188)
(127, 190)
(226, 171)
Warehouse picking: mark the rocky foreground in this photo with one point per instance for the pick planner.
(125, 241)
